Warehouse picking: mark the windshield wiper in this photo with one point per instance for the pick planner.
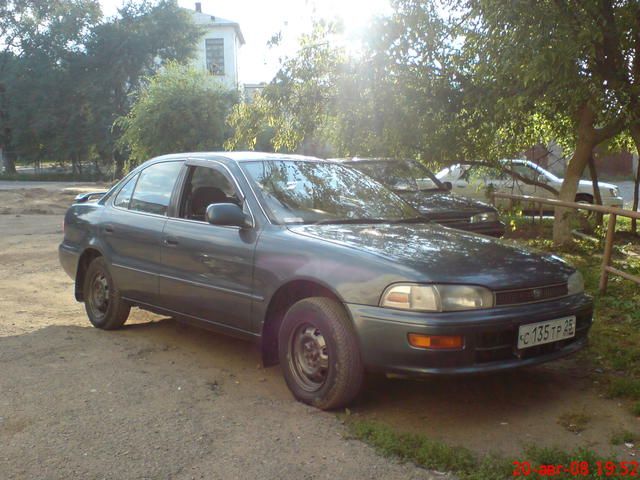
(405, 190)
(344, 221)
(422, 219)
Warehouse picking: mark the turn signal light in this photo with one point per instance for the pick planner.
(435, 341)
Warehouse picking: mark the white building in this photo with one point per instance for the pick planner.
(217, 49)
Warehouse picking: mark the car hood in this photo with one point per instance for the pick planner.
(439, 254)
(587, 184)
(438, 204)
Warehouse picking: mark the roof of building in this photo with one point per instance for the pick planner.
(201, 18)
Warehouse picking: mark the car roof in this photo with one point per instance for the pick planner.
(367, 160)
(522, 161)
(239, 156)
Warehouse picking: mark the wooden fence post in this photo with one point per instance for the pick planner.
(608, 248)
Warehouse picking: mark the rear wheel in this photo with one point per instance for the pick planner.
(319, 353)
(105, 307)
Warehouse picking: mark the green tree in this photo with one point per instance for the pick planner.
(181, 109)
(296, 107)
(566, 63)
(120, 54)
(66, 74)
(39, 39)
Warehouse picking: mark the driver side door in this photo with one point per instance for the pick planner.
(208, 269)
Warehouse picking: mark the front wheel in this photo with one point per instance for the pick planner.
(319, 353)
(102, 301)
(584, 198)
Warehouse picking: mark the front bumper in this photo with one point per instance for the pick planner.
(489, 337)
(617, 202)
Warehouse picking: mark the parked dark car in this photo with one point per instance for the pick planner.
(421, 188)
(330, 272)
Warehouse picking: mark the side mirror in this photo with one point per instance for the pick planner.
(228, 214)
(448, 186)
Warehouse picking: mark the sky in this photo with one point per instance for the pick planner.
(260, 19)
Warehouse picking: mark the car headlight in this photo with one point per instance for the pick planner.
(614, 191)
(484, 217)
(575, 284)
(437, 298)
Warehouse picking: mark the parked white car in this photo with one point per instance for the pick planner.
(478, 182)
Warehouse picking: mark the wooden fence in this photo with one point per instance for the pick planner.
(613, 213)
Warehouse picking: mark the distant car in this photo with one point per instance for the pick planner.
(419, 186)
(479, 181)
(331, 273)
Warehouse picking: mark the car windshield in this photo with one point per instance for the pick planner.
(400, 175)
(322, 192)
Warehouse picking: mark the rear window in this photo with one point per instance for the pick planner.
(153, 191)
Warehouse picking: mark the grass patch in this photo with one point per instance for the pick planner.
(614, 340)
(636, 409)
(623, 436)
(574, 422)
(624, 388)
(435, 455)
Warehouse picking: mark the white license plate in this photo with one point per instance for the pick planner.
(540, 333)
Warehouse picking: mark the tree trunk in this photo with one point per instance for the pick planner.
(119, 164)
(597, 198)
(635, 134)
(584, 149)
(8, 161)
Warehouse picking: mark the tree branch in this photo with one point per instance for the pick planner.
(609, 131)
(514, 174)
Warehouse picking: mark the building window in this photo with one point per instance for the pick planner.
(215, 55)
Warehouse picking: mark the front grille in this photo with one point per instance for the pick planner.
(528, 295)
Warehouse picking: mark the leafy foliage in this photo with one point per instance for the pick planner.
(295, 108)
(179, 110)
(67, 73)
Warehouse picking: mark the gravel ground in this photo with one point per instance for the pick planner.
(154, 400)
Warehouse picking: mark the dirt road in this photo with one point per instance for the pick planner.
(155, 400)
(161, 400)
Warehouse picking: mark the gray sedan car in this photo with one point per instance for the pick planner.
(328, 271)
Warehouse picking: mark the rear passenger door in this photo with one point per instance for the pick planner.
(208, 269)
(132, 229)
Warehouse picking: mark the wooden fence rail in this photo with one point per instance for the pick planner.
(613, 213)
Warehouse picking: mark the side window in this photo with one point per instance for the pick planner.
(525, 170)
(206, 185)
(153, 190)
(124, 195)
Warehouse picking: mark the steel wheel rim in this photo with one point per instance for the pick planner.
(99, 296)
(308, 357)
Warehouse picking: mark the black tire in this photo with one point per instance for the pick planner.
(102, 301)
(319, 353)
(584, 198)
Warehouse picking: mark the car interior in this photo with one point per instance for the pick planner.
(205, 186)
